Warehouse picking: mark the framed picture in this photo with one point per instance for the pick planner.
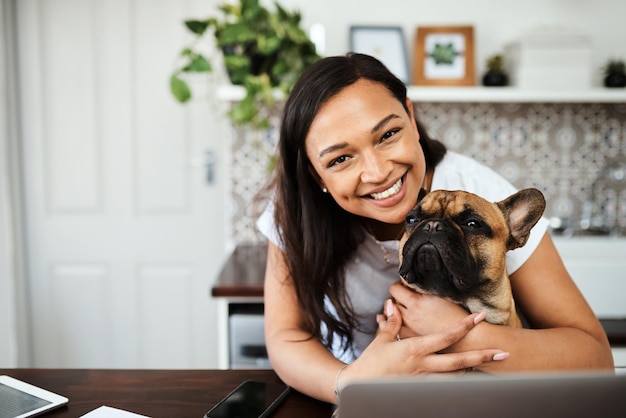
(444, 56)
(385, 43)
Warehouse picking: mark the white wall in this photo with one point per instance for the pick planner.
(495, 22)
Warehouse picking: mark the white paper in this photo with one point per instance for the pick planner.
(108, 412)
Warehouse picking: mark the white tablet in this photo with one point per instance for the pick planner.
(20, 400)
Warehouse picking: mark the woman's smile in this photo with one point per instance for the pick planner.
(393, 190)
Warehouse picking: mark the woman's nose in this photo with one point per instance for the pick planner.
(375, 168)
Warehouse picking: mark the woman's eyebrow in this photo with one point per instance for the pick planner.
(383, 122)
(332, 148)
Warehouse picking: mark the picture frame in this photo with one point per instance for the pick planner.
(444, 56)
(385, 43)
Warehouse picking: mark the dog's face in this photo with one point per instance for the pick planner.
(455, 243)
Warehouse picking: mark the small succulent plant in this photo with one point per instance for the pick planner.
(496, 72)
(496, 63)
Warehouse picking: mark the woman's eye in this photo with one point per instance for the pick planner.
(389, 134)
(338, 160)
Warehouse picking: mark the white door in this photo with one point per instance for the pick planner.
(125, 234)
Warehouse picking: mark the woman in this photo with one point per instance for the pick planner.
(352, 162)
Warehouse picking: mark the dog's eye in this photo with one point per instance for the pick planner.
(473, 224)
(411, 219)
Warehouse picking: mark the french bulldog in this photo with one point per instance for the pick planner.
(455, 247)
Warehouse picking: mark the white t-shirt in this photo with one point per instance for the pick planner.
(368, 276)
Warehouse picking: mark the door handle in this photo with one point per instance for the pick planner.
(209, 164)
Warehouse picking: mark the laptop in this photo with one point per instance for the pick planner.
(483, 396)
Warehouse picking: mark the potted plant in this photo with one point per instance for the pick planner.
(615, 73)
(496, 72)
(263, 51)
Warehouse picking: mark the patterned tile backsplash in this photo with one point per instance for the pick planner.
(574, 153)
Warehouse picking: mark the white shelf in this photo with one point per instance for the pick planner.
(515, 95)
(483, 94)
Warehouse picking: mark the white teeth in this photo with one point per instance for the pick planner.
(389, 192)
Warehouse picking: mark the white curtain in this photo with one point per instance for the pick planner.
(12, 320)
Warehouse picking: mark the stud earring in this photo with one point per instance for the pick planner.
(324, 189)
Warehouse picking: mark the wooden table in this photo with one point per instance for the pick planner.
(157, 393)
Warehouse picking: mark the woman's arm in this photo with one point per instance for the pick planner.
(305, 364)
(301, 361)
(565, 333)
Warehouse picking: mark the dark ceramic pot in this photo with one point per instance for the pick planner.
(495, 79)
(615, 80)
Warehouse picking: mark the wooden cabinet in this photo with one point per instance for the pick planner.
(598, 266)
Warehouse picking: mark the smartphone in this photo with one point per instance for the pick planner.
(250, 400)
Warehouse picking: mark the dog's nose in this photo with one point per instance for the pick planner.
(432, 226)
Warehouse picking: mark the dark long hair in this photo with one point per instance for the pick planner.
(318, 236)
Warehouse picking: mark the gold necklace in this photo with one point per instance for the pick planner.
(386, 256)
(385, 250)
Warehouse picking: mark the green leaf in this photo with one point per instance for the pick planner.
(180, 89)
(198, 64)
(252, 11)
(197, 26)
(230, 9)
(237, 33)
(244, 111)
(266, 45)
(238, 67)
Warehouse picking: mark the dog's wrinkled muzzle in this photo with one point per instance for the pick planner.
(435, 260)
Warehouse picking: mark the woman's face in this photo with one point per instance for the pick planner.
(364, 148)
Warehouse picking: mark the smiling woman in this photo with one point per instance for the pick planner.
(353, 160)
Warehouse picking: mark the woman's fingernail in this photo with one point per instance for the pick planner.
(480, 317)
(501, 356)
(388, 308)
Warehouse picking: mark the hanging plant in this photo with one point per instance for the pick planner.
(263, 51)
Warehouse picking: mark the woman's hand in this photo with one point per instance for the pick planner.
(424, 314)
(390, 355)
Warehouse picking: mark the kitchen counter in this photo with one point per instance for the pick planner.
(242, 274)
(598, 266)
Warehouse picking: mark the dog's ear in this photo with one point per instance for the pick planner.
(522, 211)
(421, 194)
